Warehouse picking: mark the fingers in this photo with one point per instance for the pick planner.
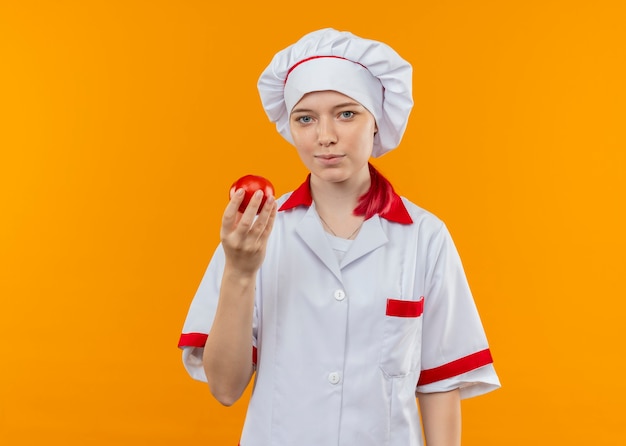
(249, 214)
(245, 236)
(234, 220)
(257, 224)
(230, 217)
(267, 218)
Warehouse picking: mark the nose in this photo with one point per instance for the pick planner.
(326, 134)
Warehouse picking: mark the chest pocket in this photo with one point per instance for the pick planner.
(402, 332)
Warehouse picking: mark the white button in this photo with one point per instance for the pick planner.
(340, 294)
(334, 377)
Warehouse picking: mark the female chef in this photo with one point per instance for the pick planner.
(344, 300)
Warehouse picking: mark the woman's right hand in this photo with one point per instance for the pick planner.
(244, 235)
(227, 354)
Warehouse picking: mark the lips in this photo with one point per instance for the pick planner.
(329, 159)
(329, 156)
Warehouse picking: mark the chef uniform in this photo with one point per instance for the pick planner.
(345, 332)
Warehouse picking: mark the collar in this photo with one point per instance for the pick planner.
(396, 211)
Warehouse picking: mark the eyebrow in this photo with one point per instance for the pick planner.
(342, 105)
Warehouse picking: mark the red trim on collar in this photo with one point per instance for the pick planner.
(396, 213)
(299, 197)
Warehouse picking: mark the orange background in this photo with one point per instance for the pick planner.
(123, 124)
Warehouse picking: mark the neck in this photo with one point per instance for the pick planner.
(335, 203)
(342, 195)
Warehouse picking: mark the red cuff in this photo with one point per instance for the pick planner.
(455, 368)
(199, 339)
(192, 340)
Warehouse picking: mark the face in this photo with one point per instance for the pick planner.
(334, 136)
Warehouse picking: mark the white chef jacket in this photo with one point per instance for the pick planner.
(341, 347)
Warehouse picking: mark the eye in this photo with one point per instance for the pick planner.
(346, 114)
(304, 119)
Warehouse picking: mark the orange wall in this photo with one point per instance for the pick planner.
(123, 123)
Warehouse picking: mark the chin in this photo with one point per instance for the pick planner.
(333, 175)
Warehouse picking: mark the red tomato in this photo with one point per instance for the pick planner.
(250, 184)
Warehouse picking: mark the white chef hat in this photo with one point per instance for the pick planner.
(368, 71)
